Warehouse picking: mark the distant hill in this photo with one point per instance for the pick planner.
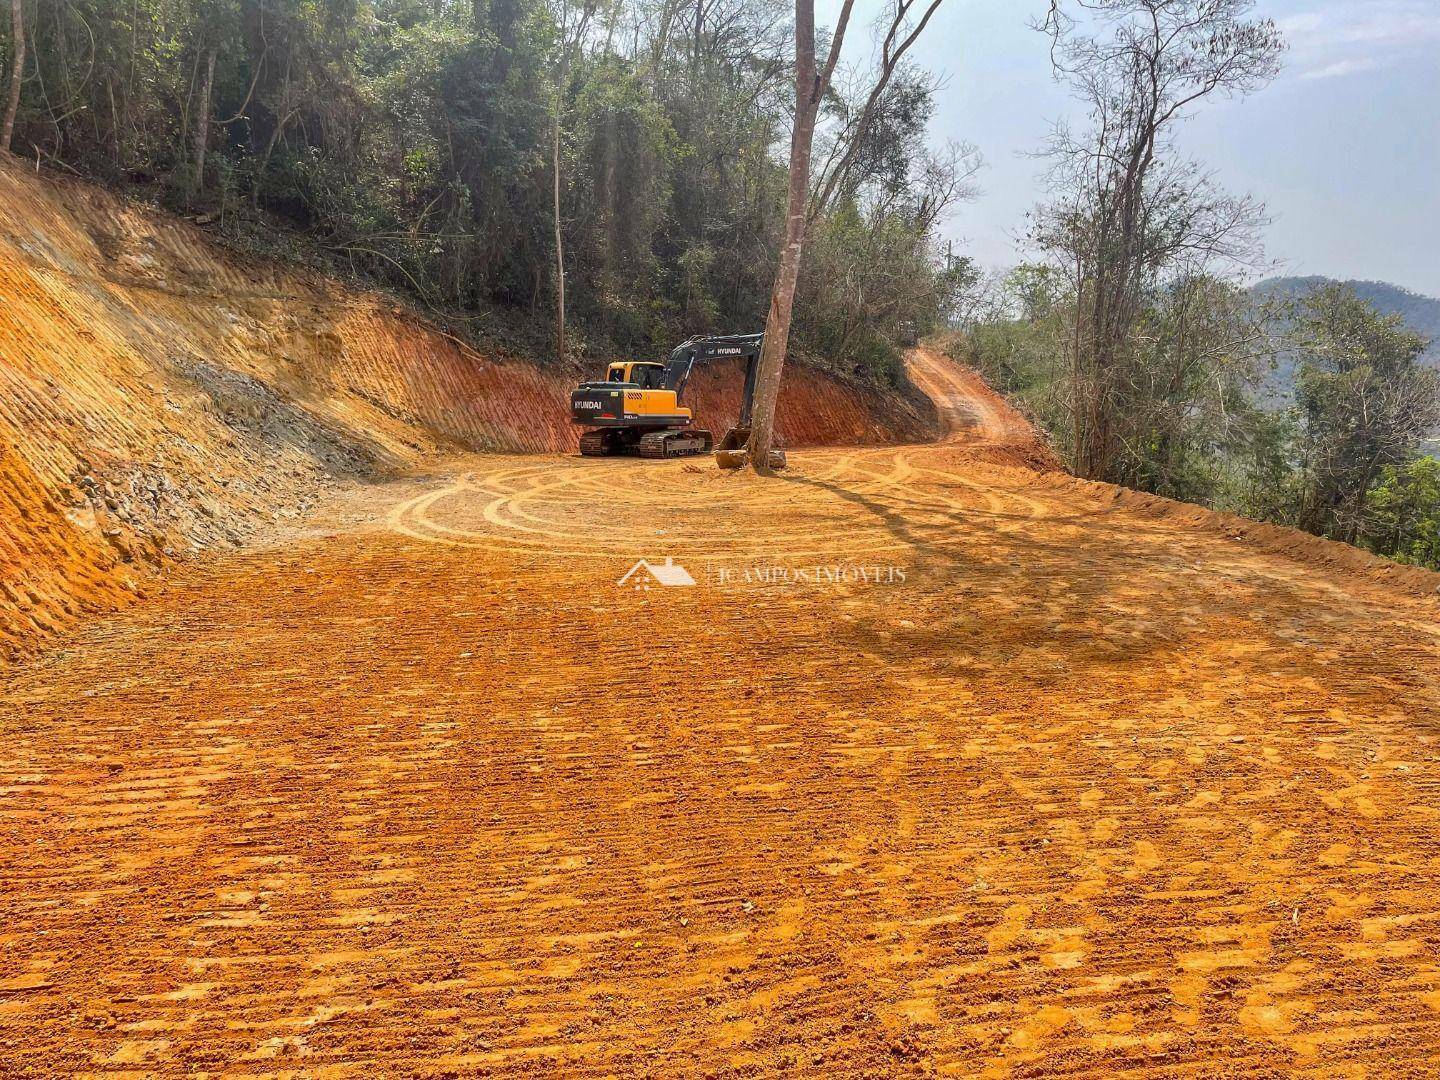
(1421, 313)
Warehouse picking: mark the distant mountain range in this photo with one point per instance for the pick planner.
(1420, 313)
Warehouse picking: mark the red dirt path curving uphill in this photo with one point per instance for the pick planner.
(949, 764)
(974, 416)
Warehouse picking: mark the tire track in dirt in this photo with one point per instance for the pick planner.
(549, 509)
(974, 416)
(420, 791)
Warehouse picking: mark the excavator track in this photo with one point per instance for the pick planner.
(669, 444)
(595, 444)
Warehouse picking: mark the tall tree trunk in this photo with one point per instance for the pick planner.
(17, 72)
(609, 202)
(559, 238)
(202, 126)
(259, 118)
(114, 139)
(782, 296)
(561, 82)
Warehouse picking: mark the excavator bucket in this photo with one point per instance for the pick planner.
(735, 439)
(730, 453)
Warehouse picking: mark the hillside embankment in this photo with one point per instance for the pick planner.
(159, 395)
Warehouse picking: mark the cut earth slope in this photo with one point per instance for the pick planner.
(159, 396)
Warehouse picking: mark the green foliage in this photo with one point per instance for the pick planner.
(1014, 341)
(409, 142)
(1177, 394)
(1364, 404)
(1183, 399)
(1264, 482)
(1419, 313)
(873, 281)
(696, 266)
(1402, 513)
(622, 154)
(1345, 461)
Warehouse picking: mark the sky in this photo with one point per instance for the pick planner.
(1344, 147)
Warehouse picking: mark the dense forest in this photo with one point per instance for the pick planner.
(424, 145)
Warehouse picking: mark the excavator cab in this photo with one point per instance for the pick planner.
(637, 409)
(642, 374)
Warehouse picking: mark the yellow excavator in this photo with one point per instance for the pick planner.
(637, 409)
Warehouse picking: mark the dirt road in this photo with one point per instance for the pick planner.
(1003, 780)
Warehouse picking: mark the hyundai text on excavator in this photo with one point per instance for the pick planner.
(637, 409)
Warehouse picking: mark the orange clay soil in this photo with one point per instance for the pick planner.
(160, 396)
(1036, 783)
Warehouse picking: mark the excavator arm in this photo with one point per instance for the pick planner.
(699, 350)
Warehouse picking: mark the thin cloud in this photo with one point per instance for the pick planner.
(1337, 39)
(1341, 68)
